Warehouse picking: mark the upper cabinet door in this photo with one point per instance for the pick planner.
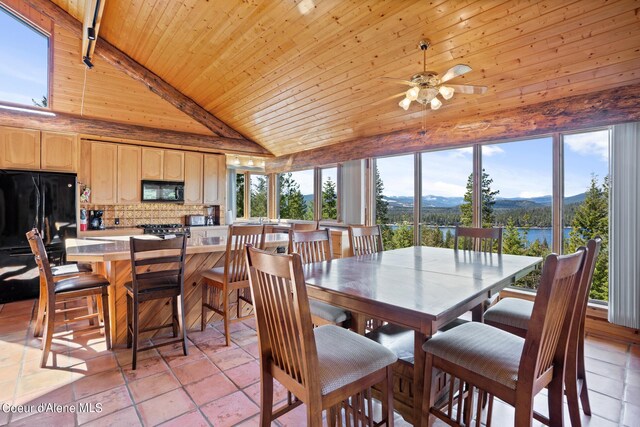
(173, 166)
(128, 174)
(19, 148)
(59, 152)
(104, 164)
(193, 164)
(215, 179)
(152, 163)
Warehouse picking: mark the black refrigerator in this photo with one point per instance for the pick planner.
(46, 201)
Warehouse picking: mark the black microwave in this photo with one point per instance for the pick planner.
(163, 191)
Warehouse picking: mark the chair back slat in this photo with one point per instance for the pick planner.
(42, 260)
(365, 240)
(167, 256)
(282, 312)
(238, 238)
(313, 246)
(305, 226)
(550, 320)
(478, 239)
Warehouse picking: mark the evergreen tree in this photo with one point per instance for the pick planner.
(402, 237)
(448, 239)
(591, 220)
(488, 200)
(43, 103)
(329, 200)
(382, 206)
(239, 195)
(259, 196)
(512, 241)
(432, 236)
(292, 204)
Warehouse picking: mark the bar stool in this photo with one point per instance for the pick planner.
(160, 279)
(66, 288)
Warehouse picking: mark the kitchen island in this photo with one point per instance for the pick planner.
(109, 255)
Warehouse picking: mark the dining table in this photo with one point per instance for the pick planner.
(421, 288)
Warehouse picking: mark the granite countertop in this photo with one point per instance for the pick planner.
(116, 248)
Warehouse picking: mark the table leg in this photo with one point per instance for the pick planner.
(477, 313)
(418, 377)
(358, 323)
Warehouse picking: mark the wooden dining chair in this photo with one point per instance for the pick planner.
(157, 272)
(64, 289)
(514, 315)
(327, 367)
(315, 246)
(505, 365)
(478, 239)
(305, 226)
(365, 240)
(219, 282)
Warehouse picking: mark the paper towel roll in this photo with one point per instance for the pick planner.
(228, 218)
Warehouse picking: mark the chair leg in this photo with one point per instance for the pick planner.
(314, 416)
(428, 398)
(91, 309)
(100, 310)
(105, 316)
(174, 316)
(387, 398)
(181, 323)
(524, 412)
(225, 316)
(266, 397)
(203, 318)
(238, 310)
(134, 346)
(555, 396)
(42, 303)
(129, 321)
(571, 388)
(47, 335)
(582, 375)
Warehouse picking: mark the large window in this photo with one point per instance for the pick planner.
(586, 200)
(329, 199)
(24, 62)
(240, 178)
(258, 201)
(296, 195)
(446, 190)
(394, 193)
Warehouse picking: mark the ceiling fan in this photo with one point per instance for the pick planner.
(427, 85)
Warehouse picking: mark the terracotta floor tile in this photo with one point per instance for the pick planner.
(98, 383)
(633, 377)
(631, 415)
(174, 355)
(44, 381)
(123, 356)
(150, 366)
(10, 372)
(210, 388)
(127, 417)
(195, 371)
(230, 410)
(279, 393)
(7, 390)
(603, 368)
(294, 418)
(605, 406)
(250, 323)
(215, 345)
(610, 387)
(62, 395)
(191, 419)
(613, 357)
(230, 359)
(244, 337)
(233, 327)
(112, 401)
(244, 375)
(43, 419)
(632, 394)
(206, 335)
(92, 366)
(607, 344)
(152, 386)
(165, 407)
(10, 354)
(253, 349)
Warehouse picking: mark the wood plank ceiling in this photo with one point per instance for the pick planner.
(294, 76)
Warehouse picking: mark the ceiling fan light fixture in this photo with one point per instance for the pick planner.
(435, 103)
(236, 161)
(405, 104)
(412, 94)
(250, 162)
(446, 92)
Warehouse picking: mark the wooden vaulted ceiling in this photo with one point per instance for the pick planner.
(300, 75)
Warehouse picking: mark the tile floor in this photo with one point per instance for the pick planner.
(214, 385)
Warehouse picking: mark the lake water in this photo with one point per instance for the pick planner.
(532, 235)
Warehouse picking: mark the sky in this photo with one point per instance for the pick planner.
(518, 169)
(23, 61)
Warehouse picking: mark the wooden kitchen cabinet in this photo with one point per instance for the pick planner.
(59, 152)
(19, 148)
(152, 163)
(215, 179)
(173, 166)
(104, 164)
(129, 174)
(193, 169)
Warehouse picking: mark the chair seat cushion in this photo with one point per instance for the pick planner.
(63, 270)
(488, 351)
(513, 312)
(150, 285)
(328, 312)
(77, 283)
(215, 274)
(345, 357)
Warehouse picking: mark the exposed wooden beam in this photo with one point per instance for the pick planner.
(602, 108)
(133, 69)
(102, 128)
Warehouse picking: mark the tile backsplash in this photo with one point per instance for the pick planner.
(145, 213)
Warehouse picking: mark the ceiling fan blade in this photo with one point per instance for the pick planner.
(389, 98)
(469, 89)
(394, 80)
(455, 71)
